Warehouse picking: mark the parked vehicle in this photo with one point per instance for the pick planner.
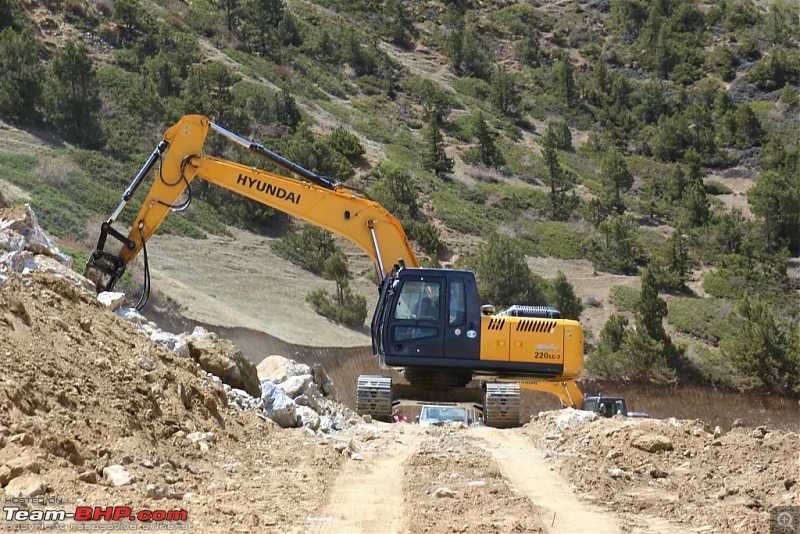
(440, 414)
(608, 406)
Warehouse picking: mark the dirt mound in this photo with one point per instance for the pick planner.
(82, 390)
(94, 413)
(681, 470)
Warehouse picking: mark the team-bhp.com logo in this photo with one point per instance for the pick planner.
(82, 517)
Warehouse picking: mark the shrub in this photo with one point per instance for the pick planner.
(346, 143)
(714, 187)
(427, 235)
(473, 87)
(309, 248)
(352, 312)
(702, 318)
(624, 298)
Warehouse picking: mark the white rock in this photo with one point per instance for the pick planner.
(172, 342)
(130, 314)
(111, 299)
(296, 385)
(278, 406)
(196, 437)
(278, 368)
(309, 417)
(34, 239)
(118, 476)
(618, 473)
(572, 419)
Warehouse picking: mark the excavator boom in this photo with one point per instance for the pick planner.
(313, 198)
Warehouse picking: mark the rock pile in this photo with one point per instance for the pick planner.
(289, 393)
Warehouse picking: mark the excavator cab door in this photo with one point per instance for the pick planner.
(429, 315)
(416, 317)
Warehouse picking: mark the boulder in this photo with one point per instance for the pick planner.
(130, 314)
(572, 419)
(309, 418)
(22, 465)
(277, 405)
(222, 358)
(652, 442)
(172, 342)
(23, 222)
(111, 299)
(294, 386)
(29, 485)
(324, 382)
(277, 369)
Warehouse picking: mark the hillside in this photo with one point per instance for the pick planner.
(604, 140)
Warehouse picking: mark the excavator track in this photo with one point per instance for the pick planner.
(374, 397)
(501, 406)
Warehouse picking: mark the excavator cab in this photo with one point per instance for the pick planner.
(428, 321)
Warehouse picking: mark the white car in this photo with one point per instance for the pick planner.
(435, 414)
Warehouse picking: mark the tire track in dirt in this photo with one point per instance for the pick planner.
(368, 493)
(564, 512)
(521, 464)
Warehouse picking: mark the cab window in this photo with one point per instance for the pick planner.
(418, 300)
(457, 302)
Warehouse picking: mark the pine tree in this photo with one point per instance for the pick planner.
(528, 51)
(130, 14)
(748, 128)
(20, 84)
(618, 250)
(562, 296)
(670, 267)
(335, 268)
(616, 179)
(775, 198)
(789, 97)
(676, 184)
(504, 276)
(561, 197)
(565, 80)
(650, 315)
(73, 99)
(696, 206)
(504, 93)
(260, 18)
(652, 309)
(435, 158)
(606, 359)
(11, 13)
(286, 111)
(763, 349)
(490, 155)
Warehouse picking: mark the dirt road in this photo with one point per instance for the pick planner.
(415, 479)
(533, 477)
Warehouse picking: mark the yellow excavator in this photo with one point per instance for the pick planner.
(428, 324)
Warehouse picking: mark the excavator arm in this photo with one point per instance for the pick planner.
(315, 199)
(568, 391)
